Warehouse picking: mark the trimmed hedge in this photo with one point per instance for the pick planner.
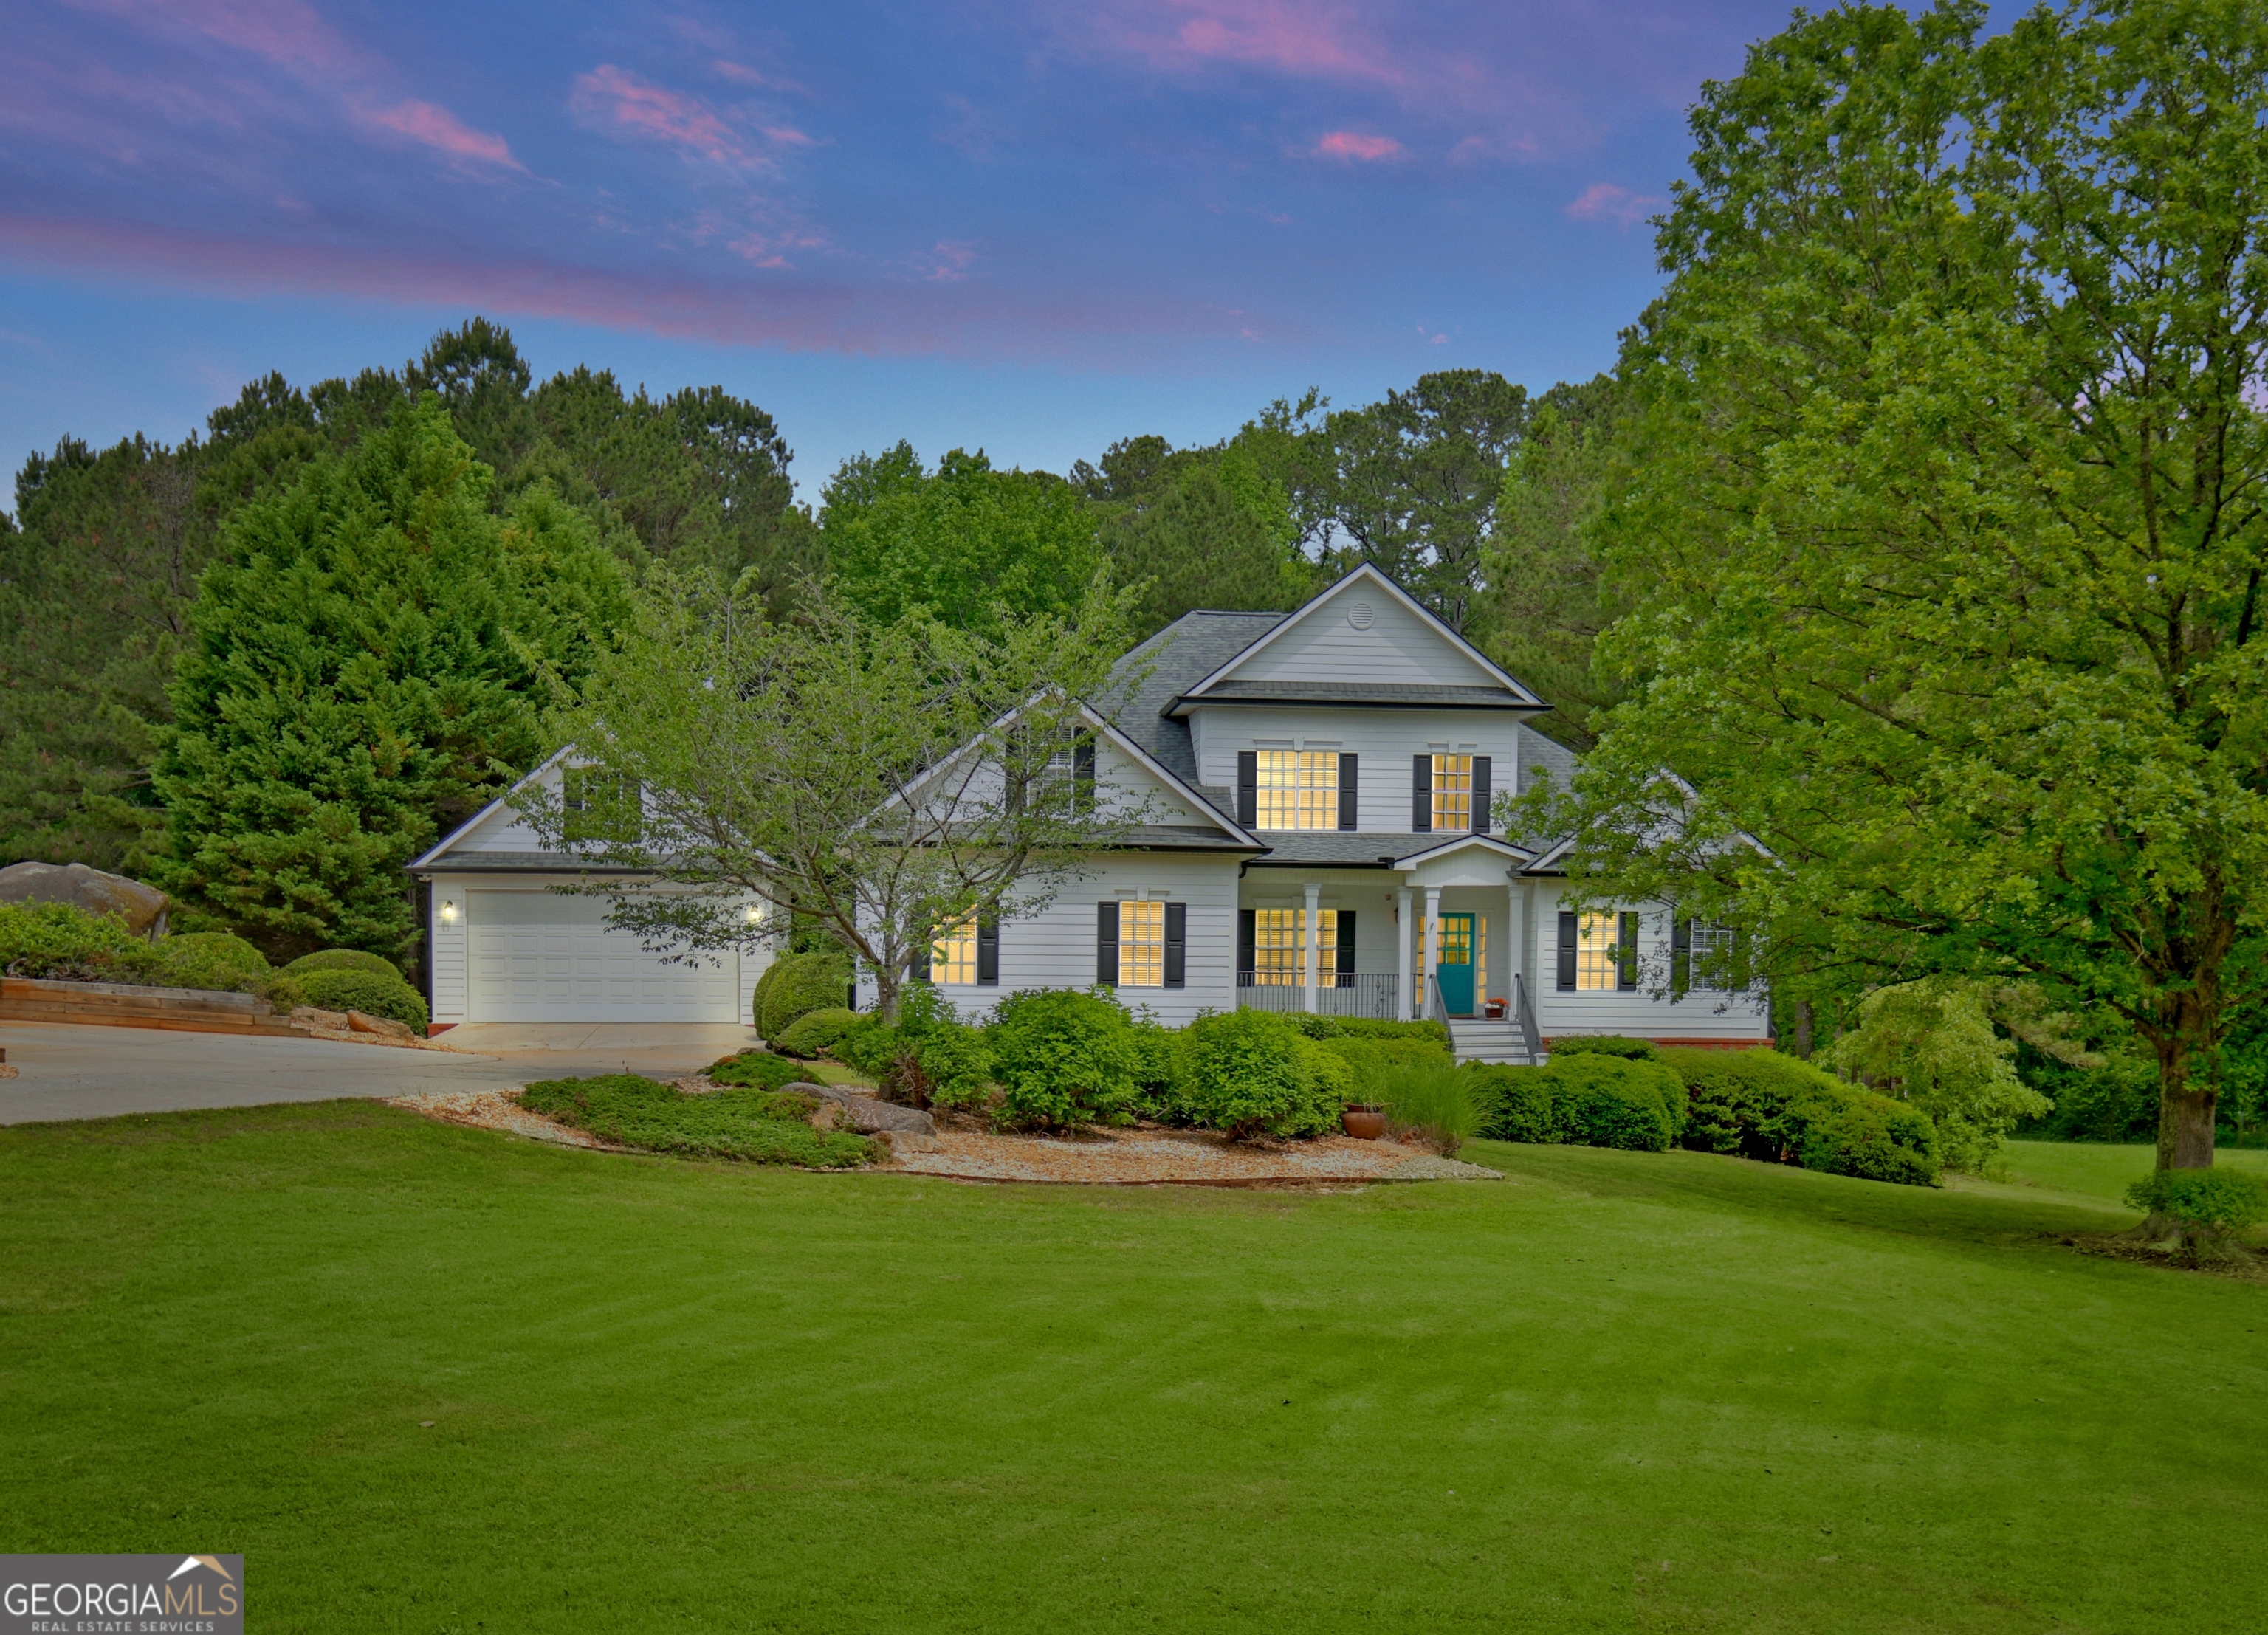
(1587, 1099)
(212, 960)
(753, 1126)
(796, 985)
(1371, 1059)
(1607, 1044)
(336, 990)
(1365, 1027)
(346, 960)
(1762, 1105)
(820, 1030)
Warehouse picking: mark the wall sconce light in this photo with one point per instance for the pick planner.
(448, 912)
(755, 913)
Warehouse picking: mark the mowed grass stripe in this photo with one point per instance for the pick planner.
(693, 1395)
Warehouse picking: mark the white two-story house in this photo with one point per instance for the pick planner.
(1317, 790)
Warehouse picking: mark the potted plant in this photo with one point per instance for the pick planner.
(1494, 1010)
(1364, 1123)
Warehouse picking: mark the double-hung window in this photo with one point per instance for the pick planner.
(1141, 945)
(1298, 789)
(952, 957)
(1280, 948)
(1453, 792)
(1598, 953)
(1711, 961)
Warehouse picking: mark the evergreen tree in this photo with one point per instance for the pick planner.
(362, 678)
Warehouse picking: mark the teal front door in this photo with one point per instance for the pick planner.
(1456, 966)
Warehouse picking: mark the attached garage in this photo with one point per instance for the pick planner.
(537, 956)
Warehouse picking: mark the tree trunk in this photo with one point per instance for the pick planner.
(2185, 1108)
(1803, 1028)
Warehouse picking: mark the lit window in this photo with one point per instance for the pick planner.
(1299, 789)
(1141, 944)
(952, 957)
(1452, 791)
(1280, 948)
(1596, 948)
(1713, 957)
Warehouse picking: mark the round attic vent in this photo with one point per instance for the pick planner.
(1360, 615)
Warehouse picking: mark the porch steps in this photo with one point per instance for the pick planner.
(1477, 1039)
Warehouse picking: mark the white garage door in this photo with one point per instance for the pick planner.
(536, 957)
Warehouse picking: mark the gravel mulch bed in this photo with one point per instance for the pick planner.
(1099, 1157)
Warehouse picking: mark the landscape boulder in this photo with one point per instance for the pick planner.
(315, 1016)
(363, 1022)
(142, 908)
(871, 1117)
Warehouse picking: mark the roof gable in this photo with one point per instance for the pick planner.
(1366, 630)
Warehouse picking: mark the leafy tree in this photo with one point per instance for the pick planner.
(360, 678)
(957, 542)
(1548, 598)
(1931, 1043)
(873, 783)
(1948, 487)
(1195, 529)
(1415, 479)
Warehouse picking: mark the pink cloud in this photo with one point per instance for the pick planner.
(1355, 144)
(950, 260)
(614, 99)
(1327, 42)
(440, 129)
(287, 33)
(1602, 200)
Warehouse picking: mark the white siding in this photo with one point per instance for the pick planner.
(446, 941)
(1385, 740)
(1055, 948)
(1699, 1017)
(1398, 647)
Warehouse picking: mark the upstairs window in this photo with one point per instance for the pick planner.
(1453, 792)
(1297, 788)
(596, 804)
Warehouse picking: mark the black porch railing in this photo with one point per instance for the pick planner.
(1337, 993)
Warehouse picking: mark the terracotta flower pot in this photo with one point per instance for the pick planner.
(1364, 1123)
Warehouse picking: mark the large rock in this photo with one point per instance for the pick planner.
(141, 907)
(363, 1022)
(871, 1117)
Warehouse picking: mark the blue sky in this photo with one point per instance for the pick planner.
(1029, 227)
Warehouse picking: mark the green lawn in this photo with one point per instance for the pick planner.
(1659, 1392)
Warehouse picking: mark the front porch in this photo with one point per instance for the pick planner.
(1438, 935)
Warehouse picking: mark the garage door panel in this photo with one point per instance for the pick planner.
(534, 956)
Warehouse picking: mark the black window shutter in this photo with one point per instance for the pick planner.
(1177, 944)
(1481, 769)
(988, 952)
(1626, 952)
(918, 963)
(1421, 794)
(1247, 936)
(1681, 954)
(1247, 787)
(1348, 798)
(1566, 951)
(1105, 944)
(1082, 772)
(1346, 946)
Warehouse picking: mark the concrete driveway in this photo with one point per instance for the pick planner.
(66, 1069)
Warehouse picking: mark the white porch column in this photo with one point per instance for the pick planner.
(1515, 946)
(1313, 937)
(1432, 944)
(1402, 955)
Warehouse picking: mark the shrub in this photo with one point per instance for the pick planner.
(756, 1069)
(2218, 1201)
(1441, 1106)
(1588, 1098)
(336, 990)
(1157, 1065)
(1370, 1060)
(213, 960)
(816, 1031)
(1366, 1028)
(1607, 1044)
(345, 960)
(1521, 1102)
(799, 984)
(870, 1046)
(1762, 1105)
(59, 942)
(1253, 1072)
(754, 1125)
(1064, 1057)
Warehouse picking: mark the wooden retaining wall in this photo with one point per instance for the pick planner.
(117, 1004)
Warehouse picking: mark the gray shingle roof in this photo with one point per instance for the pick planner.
(518, 863)
(1167, 666)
